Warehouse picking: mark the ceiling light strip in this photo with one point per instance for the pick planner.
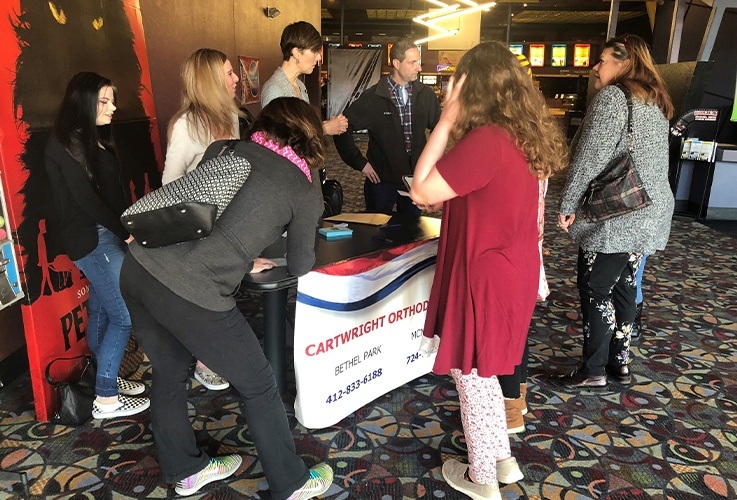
(438, 12)
(435, 37)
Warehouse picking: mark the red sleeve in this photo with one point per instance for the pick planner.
(468, 166)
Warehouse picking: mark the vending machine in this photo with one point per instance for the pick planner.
(10, 288)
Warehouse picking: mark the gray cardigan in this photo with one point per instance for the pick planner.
(600, 142)
(279, 86)
(276, 196)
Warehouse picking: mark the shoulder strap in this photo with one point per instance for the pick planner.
(51, 381)
(628, 96)
(228, 145)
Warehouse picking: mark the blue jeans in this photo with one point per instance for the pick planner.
(640, 271)
(109, 324)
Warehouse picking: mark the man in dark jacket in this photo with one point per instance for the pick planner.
(396, 111)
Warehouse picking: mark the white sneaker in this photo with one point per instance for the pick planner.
(453, 472)
(508, 471)
(320, 481)
(210, 379)
(130, 388)
(125, 407)
(218, 468)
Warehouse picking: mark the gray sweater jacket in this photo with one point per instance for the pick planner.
(600, 142)
(276, 196)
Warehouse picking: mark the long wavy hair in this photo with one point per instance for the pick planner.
(75, 126)
(638, 73)
(289, 121)
(498, 91)
(206, 101)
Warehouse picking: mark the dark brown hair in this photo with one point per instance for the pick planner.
(640, 75)
(300, 35)
(400, 48)
(498, 91)
(290, 121)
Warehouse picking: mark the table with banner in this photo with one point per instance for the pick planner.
(359, 317)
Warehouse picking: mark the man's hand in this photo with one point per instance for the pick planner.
(261, 264)
(371, 174)
(336, 125)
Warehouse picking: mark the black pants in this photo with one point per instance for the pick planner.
(607, 285)
(510, 383)
(171, 330)
(381, 197)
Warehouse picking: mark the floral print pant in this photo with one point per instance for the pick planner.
(484, 424)
(607, 286)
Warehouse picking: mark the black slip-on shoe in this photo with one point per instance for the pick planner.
(620, 374)
(581, 381)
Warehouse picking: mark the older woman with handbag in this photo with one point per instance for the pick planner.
(611, 248)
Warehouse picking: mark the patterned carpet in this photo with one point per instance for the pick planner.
(671, 434)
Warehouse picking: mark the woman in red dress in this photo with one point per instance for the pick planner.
(488, 265)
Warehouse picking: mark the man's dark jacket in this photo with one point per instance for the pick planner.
(375, 110)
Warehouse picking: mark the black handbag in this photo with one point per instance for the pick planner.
(332, 195)
(73, 405)
(186, 209)
(618, 190)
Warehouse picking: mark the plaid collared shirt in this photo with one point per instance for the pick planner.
(405, 110)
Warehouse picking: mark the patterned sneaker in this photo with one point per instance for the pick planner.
(218, 468)
(125, 407)
(129, 387)
(320, 481)
(210, 379)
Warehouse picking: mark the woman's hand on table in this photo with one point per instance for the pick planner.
(261, 264)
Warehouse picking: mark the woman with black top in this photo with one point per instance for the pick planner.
(89, 197)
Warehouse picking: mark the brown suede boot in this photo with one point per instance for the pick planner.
(515, 420)
(523, 395)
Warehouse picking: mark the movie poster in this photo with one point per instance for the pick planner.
(250, 89)
(43, 45)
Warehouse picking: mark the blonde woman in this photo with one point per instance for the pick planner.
(488, 265)
(208, 113)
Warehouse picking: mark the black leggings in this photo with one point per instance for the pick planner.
(510, 383)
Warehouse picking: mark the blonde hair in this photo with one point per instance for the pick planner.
(205, 98)
(498, 91)
(640, 75)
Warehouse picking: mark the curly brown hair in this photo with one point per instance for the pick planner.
(640, 75)
(290, 121)
(498, 91)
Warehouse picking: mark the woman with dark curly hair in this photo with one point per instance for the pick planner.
(180, 300)
(488, 265)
